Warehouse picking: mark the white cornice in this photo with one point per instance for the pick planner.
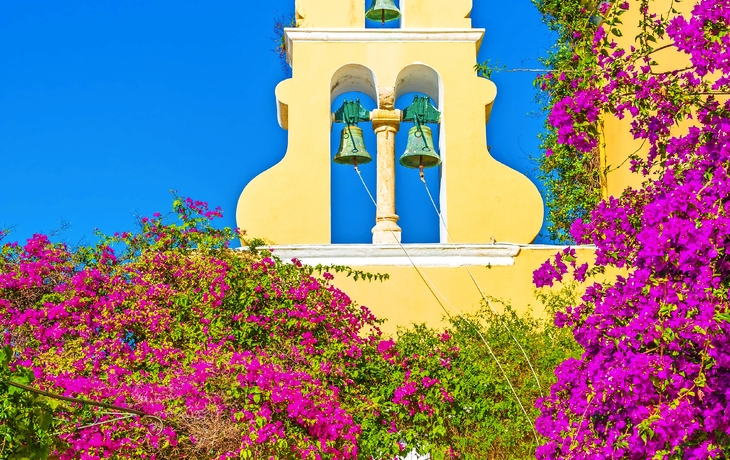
(379, 35)
(422, 255)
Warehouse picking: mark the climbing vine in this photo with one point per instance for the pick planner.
(571, 175)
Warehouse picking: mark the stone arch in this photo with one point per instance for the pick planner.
(353, 78)
(423, 79)
(420, 78)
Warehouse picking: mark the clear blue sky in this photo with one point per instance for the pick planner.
(106, 105)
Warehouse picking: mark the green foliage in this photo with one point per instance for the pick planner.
(350, 272)
(469, 410)
(486, 68)
(572, 179)
(282, 22)
(239, 353)
(255, 243)
(26, 419)
(572, 182)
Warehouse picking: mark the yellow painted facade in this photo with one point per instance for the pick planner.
(405, 298)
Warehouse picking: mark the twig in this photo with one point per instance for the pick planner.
(159, 423)
(75, 400)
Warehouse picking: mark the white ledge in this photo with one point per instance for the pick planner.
(294, 34)
(384, 35)
(421, 255)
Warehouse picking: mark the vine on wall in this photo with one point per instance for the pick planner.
(572, 176)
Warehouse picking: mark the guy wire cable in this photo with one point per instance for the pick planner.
(484, 296)
(489, 348)
(424, 278)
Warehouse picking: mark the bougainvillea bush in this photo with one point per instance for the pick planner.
(237, 355)
(482, 419)
(654, 381)
(223, 353)
(450, 391)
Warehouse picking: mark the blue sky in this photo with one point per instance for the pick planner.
(107, 105)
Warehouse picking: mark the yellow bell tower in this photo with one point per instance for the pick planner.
(482, 201)
(433, 52)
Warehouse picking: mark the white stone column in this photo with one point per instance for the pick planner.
(386, 123)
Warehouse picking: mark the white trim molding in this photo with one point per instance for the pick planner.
(386, 255)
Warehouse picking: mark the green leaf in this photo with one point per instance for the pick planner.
(719, 317)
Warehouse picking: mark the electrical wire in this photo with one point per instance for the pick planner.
(431, 288)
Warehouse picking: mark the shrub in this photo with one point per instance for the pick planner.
(237, 353)
(452, 398)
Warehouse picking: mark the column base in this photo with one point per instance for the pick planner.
(386, 232)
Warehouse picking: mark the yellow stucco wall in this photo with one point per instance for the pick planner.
(405, 298)
(482, 200)
(415, 13)
(618, 142)
(328, 13)
(436, 13)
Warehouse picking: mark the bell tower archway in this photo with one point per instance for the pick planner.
(352, 212)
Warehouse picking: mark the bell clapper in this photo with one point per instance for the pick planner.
(383, 17)
(354, 145)
(420, 168)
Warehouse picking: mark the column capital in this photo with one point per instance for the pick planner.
(386, 98)
(383, 119)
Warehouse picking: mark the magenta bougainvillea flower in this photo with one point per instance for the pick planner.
(654, 380)
(230, 354)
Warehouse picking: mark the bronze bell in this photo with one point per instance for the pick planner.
(383, 10)
(352, 148)
(420, 151)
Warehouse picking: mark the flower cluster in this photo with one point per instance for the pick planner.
(654, 380)
(179, 328)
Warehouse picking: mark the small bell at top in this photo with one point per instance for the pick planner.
(383, 10)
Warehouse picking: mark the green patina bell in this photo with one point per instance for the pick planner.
(352, 148)
(383, 11)
(420, 151)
